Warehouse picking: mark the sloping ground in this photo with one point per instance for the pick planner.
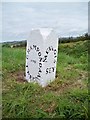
(64, 98)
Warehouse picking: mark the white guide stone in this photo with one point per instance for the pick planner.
(41, 56)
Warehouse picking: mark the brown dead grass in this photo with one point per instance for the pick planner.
(18, 76)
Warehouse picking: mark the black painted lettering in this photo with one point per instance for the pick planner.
(38, 75)
(50, 48)
(40, 59)
(33, 78)
(50, 70)
(47, 71)
(55, 51)
(47, 52)
(45, 58)
(30, 76)
(28, 51)
(40, 65)
(40, 70)
(37, 78)
(54, 61)
(34, 46)
(39, 54)
(30, 47)
(53, 69)
(37, 49)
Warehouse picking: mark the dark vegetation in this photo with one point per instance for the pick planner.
(60, 40)
(15, 44)
(75, 39)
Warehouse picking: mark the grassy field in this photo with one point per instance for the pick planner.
(65, 98)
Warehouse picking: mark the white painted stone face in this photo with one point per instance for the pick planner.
(41, 56)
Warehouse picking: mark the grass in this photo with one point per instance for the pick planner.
(65, 98)
(13, 59)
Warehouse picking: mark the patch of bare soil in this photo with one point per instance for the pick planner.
(78, 82)
(63, 87)
(56, 86)
(18, 76)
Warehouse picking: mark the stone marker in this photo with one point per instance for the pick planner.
(41, 56)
